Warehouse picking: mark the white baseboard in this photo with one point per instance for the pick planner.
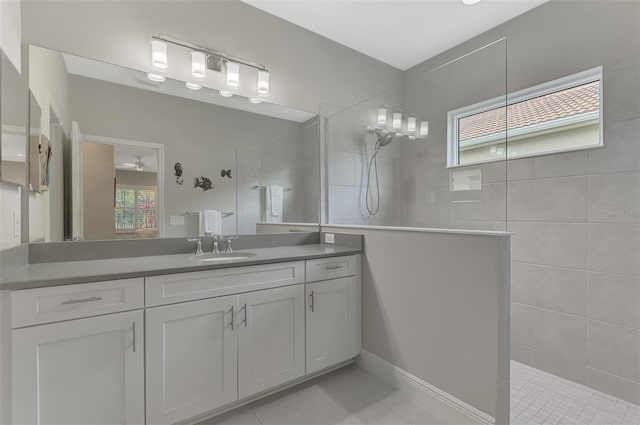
(446, 404)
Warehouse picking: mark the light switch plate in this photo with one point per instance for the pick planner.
(16, 224)
(176, 220)
(329, 238)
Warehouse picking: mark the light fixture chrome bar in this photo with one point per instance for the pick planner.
(206, 50)
(224, 214)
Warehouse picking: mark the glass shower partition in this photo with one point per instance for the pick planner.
(412, 157)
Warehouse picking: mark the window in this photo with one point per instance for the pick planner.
(135, 208)
(561, 115)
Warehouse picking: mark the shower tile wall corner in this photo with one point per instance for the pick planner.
(576, 253)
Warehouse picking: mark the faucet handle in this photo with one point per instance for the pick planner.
(198, 247)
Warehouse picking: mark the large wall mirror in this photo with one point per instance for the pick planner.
(13, 145)
(127, 157)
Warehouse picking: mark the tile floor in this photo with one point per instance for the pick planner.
(538, 397)
(352, 396)
(348, 396)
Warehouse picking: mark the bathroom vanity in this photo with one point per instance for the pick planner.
(172, 339)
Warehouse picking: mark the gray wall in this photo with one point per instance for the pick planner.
(306, 68)
(441, 322)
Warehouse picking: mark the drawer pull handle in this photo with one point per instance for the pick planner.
(134, 337)
(313, 302)
(245, 314)
(81, 300)
(232, 320)
(333, 267)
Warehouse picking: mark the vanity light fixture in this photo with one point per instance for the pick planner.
(411, 124)
(396, 123)
(198, 65)
(156, 78)
(255, 100)
(204, 59)
(424, 128)
(382, 116)
(263, 83)
(233, 75)
(159, 55)
(192, 86)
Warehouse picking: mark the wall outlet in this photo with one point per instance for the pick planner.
(329, 238)
(17, 225)
(176, 220)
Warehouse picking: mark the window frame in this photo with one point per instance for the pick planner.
(135, 208)
(570, 81)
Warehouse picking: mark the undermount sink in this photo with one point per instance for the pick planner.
(230, 256)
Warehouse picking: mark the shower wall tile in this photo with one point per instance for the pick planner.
(614, 298)
(622, 94)
(560, 244)
(519, 169)
(621, 151)
(343, 199)
(521, 354)
(522, 280)
(560, 289)
(610, 384)
(614, 248)
(341, 168)
(615, 197)
(560, 165)
(614, 349)
(558, 365)
(341, 134)
(560, 334)
(521, 316)
(521, 241)
(561, 199)
(520, 200)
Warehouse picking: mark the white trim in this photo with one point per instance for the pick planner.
(417, 229)
(574, 80)
(451, 407)
(159, 172)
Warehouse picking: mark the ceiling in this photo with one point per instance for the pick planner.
(131, 154)
(401, 33)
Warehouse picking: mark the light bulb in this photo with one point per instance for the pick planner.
(397, 121)
(411, 124)
(225, 93)
(233, 75)
(192, 86)
(263, 83)
(156, 78)
(198, 65)
(255, 100)
(382, 116)
(159, 55)
(424, 128)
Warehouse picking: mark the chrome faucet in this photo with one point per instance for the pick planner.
(199, 252)
(229, 247)
(216, 244)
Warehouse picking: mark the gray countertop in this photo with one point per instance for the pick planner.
(69, 272)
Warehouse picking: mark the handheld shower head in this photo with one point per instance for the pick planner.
(384, 139)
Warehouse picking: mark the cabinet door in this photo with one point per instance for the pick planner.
(191, 359)
(332, 322)
(270, 338)
(86, 371)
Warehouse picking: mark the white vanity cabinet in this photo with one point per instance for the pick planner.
(191, 358)
(271, 341)
(80, 370)
(333, 312)
(84, 371)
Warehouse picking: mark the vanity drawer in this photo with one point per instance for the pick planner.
(331, 268)
(56, 303)
(179, 287)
